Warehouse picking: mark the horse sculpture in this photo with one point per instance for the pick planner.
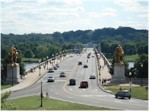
(119, 55)
(13, 55)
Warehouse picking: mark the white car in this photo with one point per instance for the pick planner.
(92, 76)
(51, 79)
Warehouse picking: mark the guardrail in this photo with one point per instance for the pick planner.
(44, 63)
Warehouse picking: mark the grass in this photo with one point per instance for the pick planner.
(128, 58)
(131, 57)
(139, 92)
(33, 103)
(31, 59)
(6, 86)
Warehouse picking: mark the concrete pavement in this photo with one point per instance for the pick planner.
(32, 77)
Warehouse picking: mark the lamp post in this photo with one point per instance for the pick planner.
(39, 68)
(47, 62)
(12, 75)
(41, 95)
(130, 74)
(141, 72)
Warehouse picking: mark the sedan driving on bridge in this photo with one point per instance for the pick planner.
(50, 79)
(84, 84)
(123, 94)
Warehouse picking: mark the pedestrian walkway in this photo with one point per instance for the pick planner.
(104, 71)
(32, 77)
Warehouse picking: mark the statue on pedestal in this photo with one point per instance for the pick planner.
(119, 68)
(119, 53)
(13, 68)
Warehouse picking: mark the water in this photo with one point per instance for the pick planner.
(131, 65)
(29, 65)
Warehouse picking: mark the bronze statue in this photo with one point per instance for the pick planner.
(13, 55)
(119, 55)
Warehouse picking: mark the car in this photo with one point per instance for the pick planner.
(123, 94)
(85, 66)
(79, 63)
(50, 79)
(62, 74)
(55, 68)
(84, 84)
(50, 70)
(72, 82)
(93, 76)
(57, 65)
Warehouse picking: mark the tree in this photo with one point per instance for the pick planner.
(141, 66)
(29, 53)
(6, 105)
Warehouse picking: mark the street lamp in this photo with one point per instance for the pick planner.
(47, 62)
(39, 68)
(12, 75)
(130, 74)
(41, 95)
(141, 72)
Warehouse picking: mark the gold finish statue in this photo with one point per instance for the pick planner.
(13, 55)
(119, 55)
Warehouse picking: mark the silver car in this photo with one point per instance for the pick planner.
(51, 79)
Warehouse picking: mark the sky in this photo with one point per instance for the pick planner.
(48, 16)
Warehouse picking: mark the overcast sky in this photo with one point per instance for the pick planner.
(48, 16)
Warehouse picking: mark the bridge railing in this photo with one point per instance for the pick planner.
(44, 63)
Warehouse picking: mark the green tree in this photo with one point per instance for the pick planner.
(29, 53)
(141, 66)
(41, 51)
(6, 105)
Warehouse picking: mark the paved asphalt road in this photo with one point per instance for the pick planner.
(93, 95)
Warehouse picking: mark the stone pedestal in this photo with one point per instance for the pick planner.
(13, 73)
(119, 74)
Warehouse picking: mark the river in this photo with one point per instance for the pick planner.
(29, 65)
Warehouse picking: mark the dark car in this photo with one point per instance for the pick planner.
(85, 66)
(72, 82)
(57, 65)
(55, 68)
(62, 74)
(50, 70)
(83, 84)
(123, 94)
(79, 63)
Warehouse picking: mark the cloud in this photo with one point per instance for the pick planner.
(133, 5)
(106, 12)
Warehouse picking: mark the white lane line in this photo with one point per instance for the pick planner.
(60, 80)
(70, 89)
(118, 101)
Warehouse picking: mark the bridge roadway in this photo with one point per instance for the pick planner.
(93, 95)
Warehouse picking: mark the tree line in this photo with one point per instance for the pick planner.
(40, 45)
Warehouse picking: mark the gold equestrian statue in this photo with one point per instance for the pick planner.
(119, 53)
(13, 55)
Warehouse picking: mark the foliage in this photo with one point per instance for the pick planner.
(133, 41)
(4, 104)
(141, 66)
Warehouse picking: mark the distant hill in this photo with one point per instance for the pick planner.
(109, 38)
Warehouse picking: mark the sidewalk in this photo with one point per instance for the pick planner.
(104, 70)
(31, 78)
